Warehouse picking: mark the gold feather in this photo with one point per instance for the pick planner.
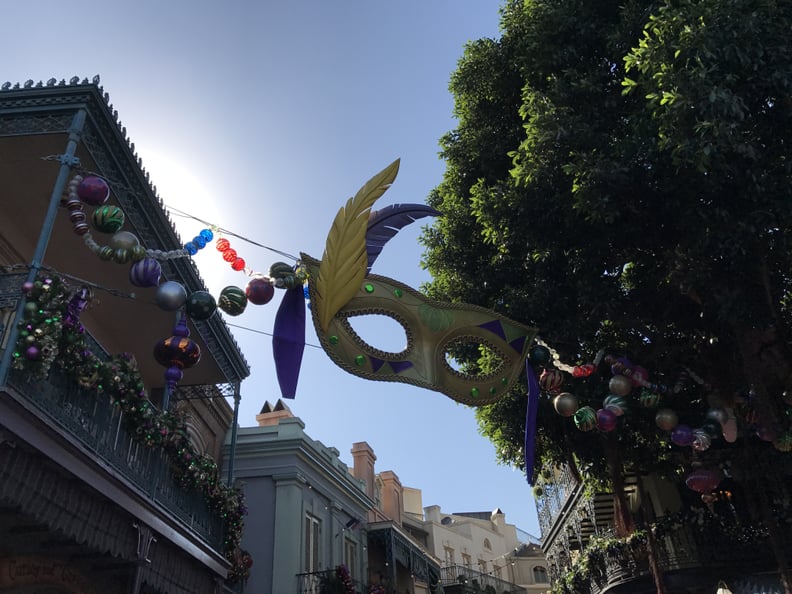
(343, 265)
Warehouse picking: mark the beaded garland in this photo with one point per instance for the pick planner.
(125, 248)
(717, 423)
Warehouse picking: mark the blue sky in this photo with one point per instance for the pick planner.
(263, 118)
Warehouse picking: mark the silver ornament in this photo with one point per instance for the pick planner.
(666, 419)
(565, 404)
(620, 385)
(171, 296)
(124, 240)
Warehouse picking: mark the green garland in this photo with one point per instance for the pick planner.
(51, 334)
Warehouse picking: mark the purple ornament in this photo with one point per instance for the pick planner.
(93, 190)
(682, 435)
(620, 364)
(145, 273)
(606, 420)
(27, 287)
(32, 353)
(173, 376)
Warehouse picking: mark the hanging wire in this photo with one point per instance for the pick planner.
(224, 231)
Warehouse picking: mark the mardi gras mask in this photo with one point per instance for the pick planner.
(341, 287)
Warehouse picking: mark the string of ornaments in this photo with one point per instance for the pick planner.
(630, 383)
(178, 352)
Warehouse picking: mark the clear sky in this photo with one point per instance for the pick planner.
(263, 118)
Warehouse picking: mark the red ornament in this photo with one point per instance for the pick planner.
(583, 370)
(222, 244)
(229, 255)
(704, 480)
(551, 380)
(238, 264)
(259, 291)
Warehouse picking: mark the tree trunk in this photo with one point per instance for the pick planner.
(623, 523)
(653, 553)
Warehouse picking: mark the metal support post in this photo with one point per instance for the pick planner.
(67, 161)
(232, 452)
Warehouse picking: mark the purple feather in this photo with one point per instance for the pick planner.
(386, 222)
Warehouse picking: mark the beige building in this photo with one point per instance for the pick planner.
(482, 548)
(476, 552)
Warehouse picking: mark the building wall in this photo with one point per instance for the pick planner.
(288, 478)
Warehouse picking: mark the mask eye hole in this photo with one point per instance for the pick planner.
(383, 333)
(469, 357)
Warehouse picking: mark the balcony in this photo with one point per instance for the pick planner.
(328, 582)
(458, 579)
(688, 553)
(97, 429)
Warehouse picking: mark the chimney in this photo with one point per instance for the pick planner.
(363, 459)
(392, 496)
(271, 415)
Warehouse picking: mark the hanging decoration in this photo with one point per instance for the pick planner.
(341, 287)
(177, 353)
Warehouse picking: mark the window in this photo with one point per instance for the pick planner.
(497, 571)
(313, 537)
(449, 556)
(482, 566)
(466, 561)
(540, 575)
(487, 545)
(350, 556)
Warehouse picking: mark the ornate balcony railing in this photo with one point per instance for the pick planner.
(555, 492)
(99, 427)
(476, 581)
(326, 582)
(680, 548)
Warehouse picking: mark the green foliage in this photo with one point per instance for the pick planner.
(620, 178)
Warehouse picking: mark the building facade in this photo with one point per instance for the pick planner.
(307, 513)
(482, 549)
(105, 486)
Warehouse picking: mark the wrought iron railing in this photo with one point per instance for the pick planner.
(326, 582)
(476, 581)
(683, 547)
(554, 494)
(99, 427)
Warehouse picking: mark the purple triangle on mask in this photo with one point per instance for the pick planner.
(376, 364)
(517, 344)
(495, 327)
(399, 366)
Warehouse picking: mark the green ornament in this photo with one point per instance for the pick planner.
(617, 404)
(649, 399)
(539, 355)
(474, 392)
(107, 219)
(200, 305)
(106, 253)
(585, 418)
(232, 300)
(121, 255)
(138, 253)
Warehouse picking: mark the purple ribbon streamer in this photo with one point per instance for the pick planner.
(530, 421)
(288, 340)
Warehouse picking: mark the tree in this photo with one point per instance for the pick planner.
(620, 178)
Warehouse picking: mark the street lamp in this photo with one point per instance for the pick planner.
(723, 588)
